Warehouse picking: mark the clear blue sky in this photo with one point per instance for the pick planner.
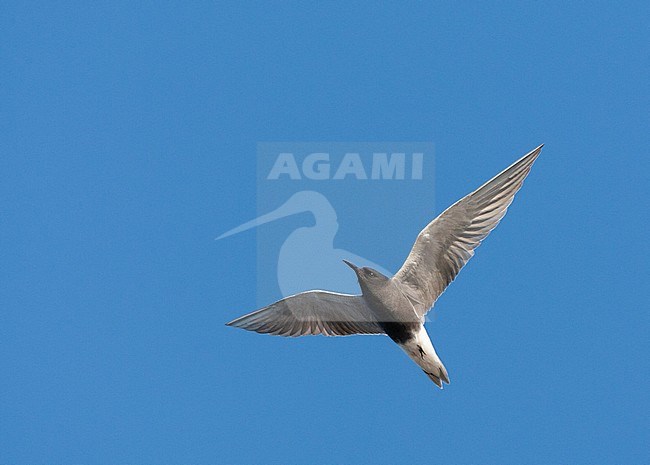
(128, 143)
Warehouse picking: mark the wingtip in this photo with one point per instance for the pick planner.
(529, 158)
(536, 150)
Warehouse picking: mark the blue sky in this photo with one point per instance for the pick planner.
(128, 144)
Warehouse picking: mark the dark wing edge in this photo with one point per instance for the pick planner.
(312, 313)
(446, 244)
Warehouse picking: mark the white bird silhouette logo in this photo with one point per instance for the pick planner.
(307, 257)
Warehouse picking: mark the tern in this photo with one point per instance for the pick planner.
(397, 306)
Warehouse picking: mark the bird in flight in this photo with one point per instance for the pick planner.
(396, 306)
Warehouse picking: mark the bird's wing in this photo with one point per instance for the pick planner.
(448, 242)
(313, 312)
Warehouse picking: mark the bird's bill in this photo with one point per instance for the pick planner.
(351, 265)
(276, 214)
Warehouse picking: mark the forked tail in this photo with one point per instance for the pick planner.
(421, 351)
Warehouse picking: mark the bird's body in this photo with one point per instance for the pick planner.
(397, 306)
(399, 320)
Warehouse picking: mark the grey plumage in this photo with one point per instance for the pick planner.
(448, 242)
(397, 306)
(310, 313)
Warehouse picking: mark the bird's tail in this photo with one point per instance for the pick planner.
(421, 351)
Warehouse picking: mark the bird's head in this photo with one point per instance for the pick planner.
(369, 278)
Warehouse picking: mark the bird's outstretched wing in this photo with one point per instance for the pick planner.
(312, 312)
(448, 242)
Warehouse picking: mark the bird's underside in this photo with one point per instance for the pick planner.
(440, 251)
